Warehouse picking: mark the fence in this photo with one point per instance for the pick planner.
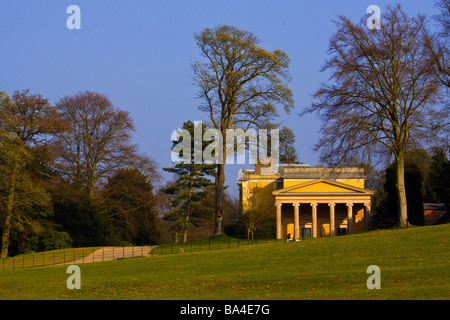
(383, 223)
(71, 256)
(87, 255)
(389, 223)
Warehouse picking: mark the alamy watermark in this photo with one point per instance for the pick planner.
(374, 21)
(374, 281)
(73, 281)
(74, 20)
(237, 141)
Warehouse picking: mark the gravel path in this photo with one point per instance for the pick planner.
(113, 253)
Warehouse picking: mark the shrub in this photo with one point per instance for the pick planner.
(53, 240)
(31, 244)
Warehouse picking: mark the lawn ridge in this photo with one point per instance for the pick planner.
(414, 264)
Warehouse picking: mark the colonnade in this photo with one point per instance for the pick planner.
(331, 205)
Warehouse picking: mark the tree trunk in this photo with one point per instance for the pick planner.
(220, 186)
(218, 198)
(5, 236)
(9, 212)
(188, 209)
(185, 231)
(91, 185)
(401, 191)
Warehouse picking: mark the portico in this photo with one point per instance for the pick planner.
(321, 207)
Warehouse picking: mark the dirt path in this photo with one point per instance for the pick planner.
(113, 253)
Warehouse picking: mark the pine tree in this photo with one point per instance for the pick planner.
(189, 189)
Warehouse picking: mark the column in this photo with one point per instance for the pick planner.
(279, 231)
(296, 221)
(314, 220)
(332, 219)
(350, 217)
(367, 216)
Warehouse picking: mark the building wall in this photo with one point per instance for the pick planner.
(264, 189)
(353, 182)
(265, 184)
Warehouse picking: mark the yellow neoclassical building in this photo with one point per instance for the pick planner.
(309, 201)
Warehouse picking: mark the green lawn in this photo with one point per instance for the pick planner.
(211, 243)
(414, 263)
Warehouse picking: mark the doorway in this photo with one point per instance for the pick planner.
(306, 232)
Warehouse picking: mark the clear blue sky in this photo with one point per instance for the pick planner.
(139, 54)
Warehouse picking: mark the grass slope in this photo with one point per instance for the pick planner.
(414, 263)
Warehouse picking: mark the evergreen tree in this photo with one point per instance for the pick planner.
(129, 203)
(80, 218)
(439, 178)
(288, 154)
(189, 188)
(386, 202)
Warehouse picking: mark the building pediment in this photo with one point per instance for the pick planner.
(321, 186)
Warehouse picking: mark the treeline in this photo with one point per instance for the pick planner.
(70, 175)
(427, 180)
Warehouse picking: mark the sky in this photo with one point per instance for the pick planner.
(139, 54)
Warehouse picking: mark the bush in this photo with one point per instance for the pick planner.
(31, 244)
(53, 240)
(85, 224)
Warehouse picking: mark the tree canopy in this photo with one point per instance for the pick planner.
(241, 85)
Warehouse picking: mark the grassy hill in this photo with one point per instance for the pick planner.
(414, 263)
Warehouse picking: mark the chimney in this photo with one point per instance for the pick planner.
(264, 166)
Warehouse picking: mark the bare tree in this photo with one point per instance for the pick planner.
(97, 141)
(439, 46)
(30, 117)
(382, 97)
(438, 43)
(256, 212)
(443, 18)
(241, 84)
